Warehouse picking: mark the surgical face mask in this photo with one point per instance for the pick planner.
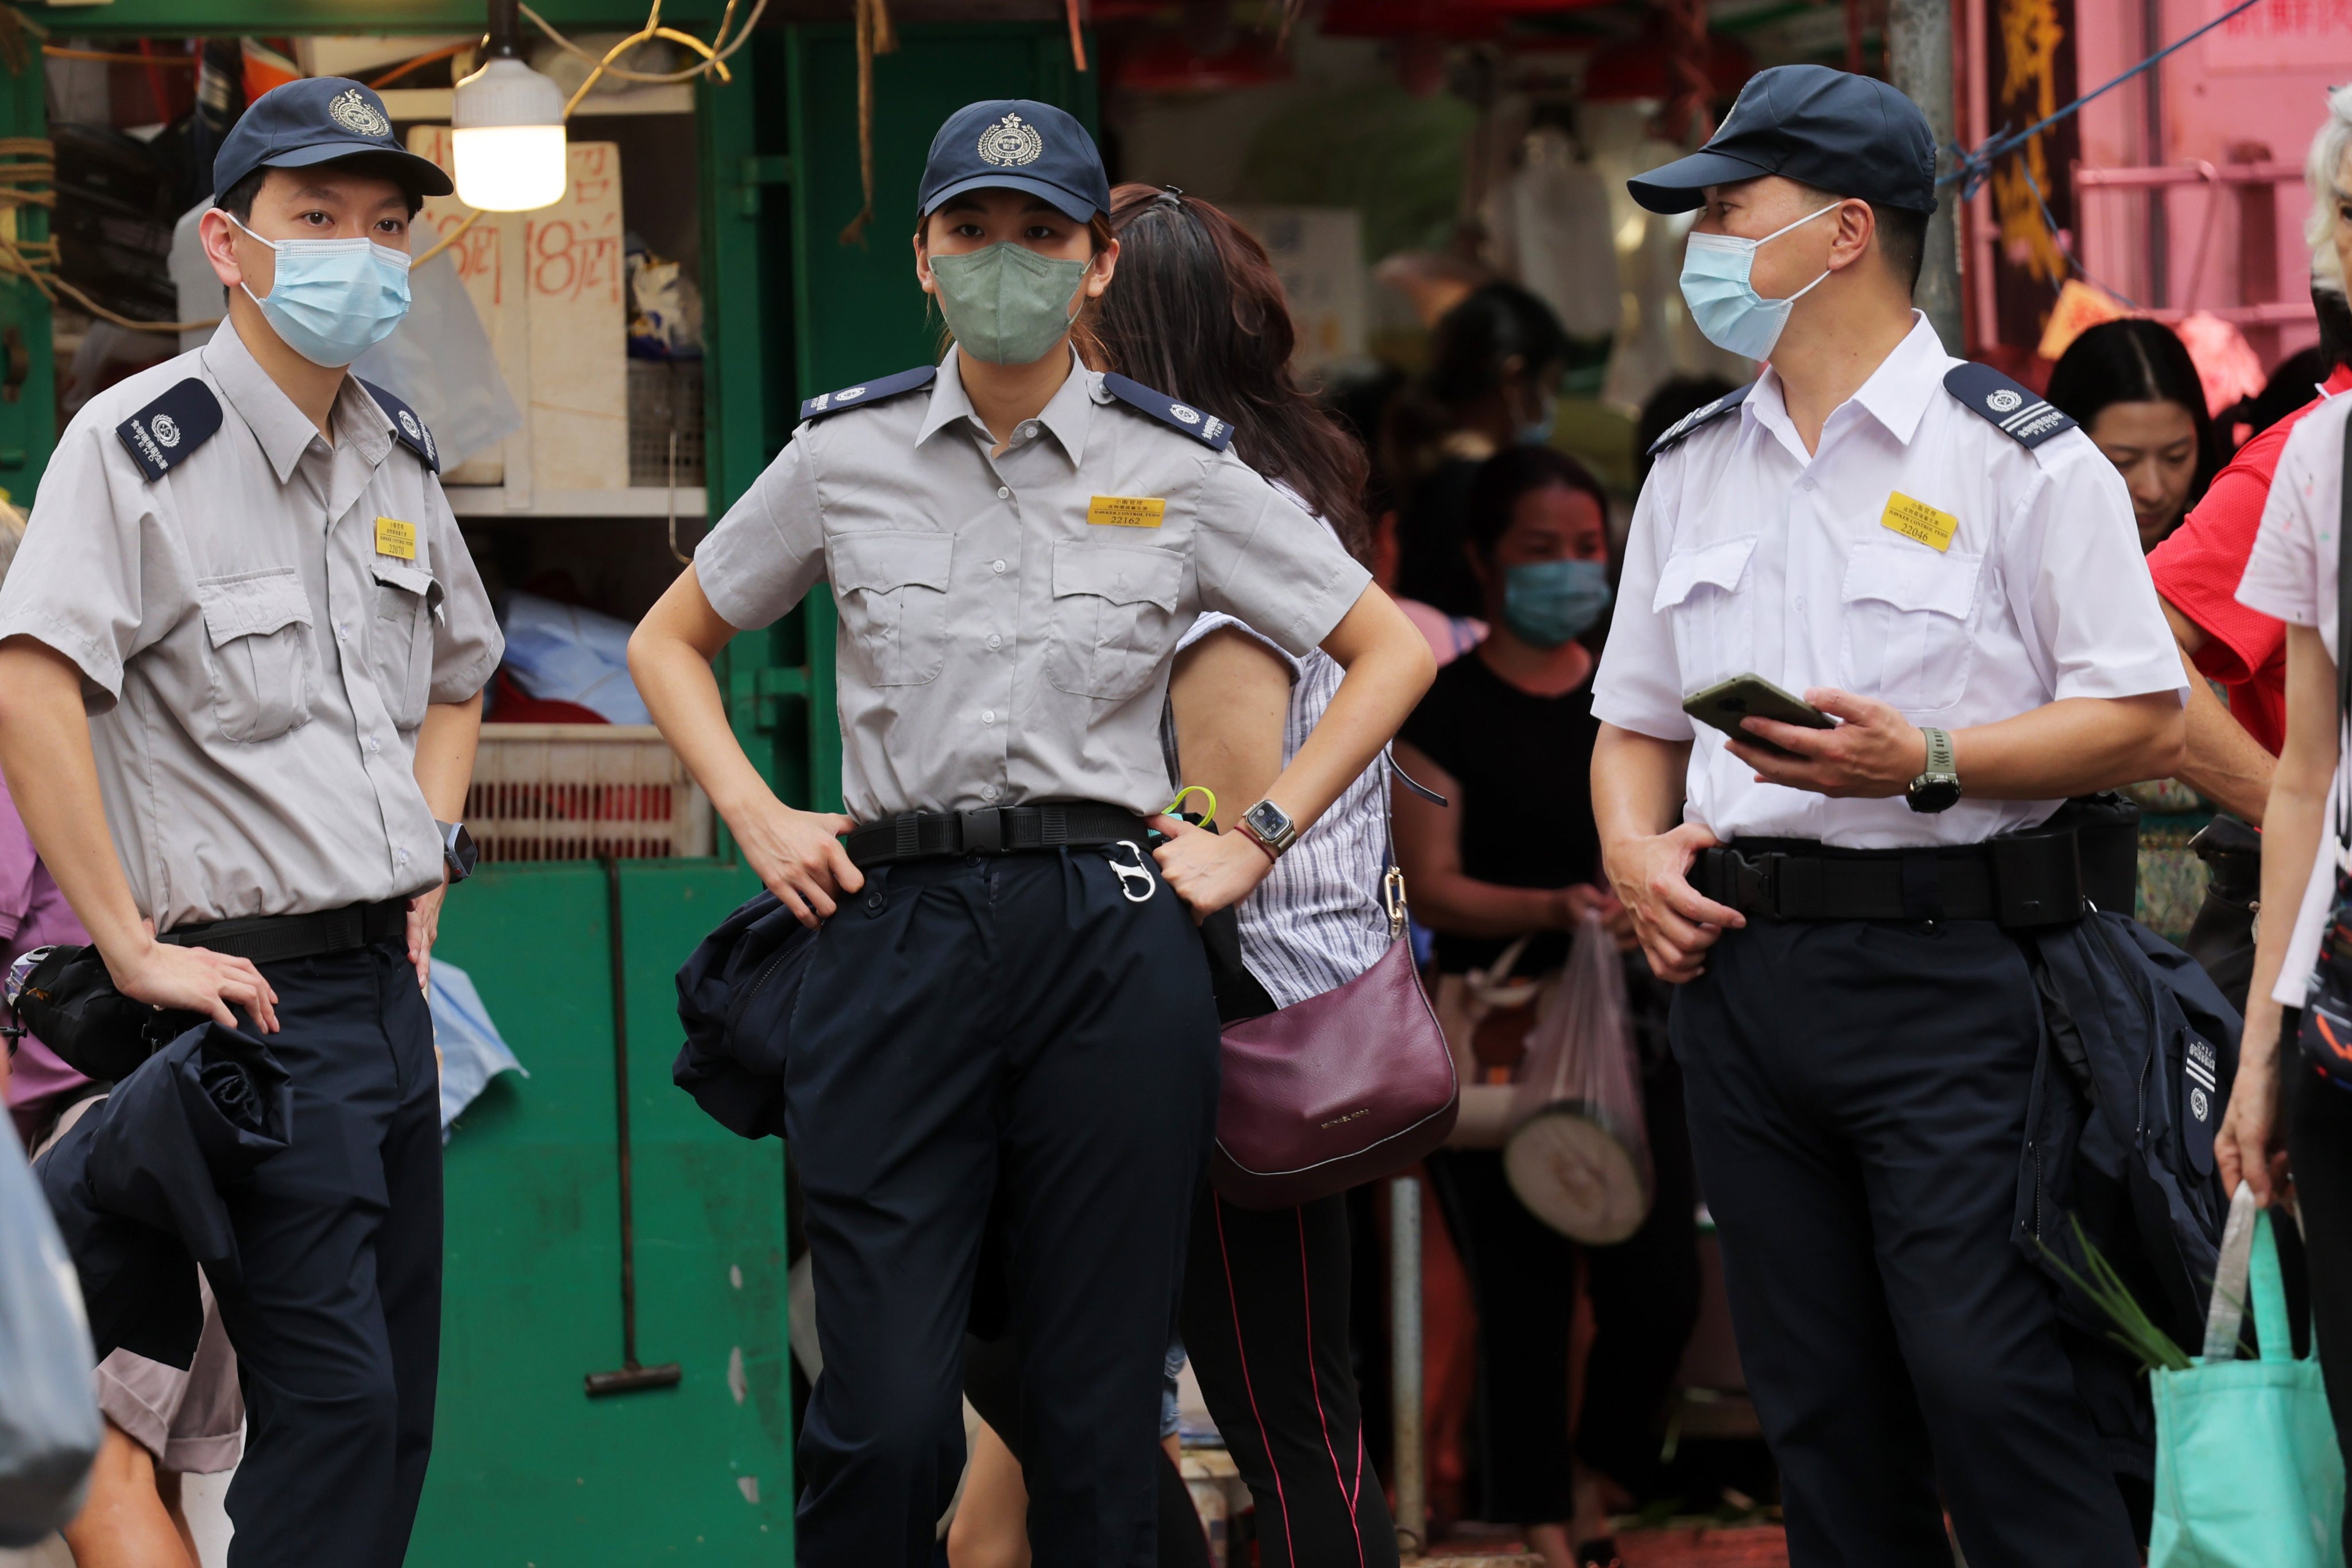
(1007, 304)
(1724, 303)
(332, 300)
(1538, 432)
(1547, 602)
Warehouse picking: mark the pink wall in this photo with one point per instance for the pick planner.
(2262, 80)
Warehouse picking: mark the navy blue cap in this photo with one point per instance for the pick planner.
(1015, 144)
(316, 120)
(1850, 135)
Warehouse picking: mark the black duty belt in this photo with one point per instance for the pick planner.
(275, 939)
(998, 831)
(2022, 881)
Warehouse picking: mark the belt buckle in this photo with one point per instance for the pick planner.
(984, 831)
(1755, 884)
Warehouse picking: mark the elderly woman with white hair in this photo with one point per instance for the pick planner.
(2292, 575)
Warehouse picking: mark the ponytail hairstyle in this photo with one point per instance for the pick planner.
(1197, 312)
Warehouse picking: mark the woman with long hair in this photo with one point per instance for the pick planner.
(2132, 387)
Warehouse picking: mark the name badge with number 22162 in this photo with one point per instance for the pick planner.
(1127, 511)
(393, 537)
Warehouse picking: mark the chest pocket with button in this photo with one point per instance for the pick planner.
(1702, 590)
(257, 645)
(893, 592)
(400, 640)
(1907, 611)
(1114, 617)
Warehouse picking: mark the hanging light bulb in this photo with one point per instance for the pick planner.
(507, 126)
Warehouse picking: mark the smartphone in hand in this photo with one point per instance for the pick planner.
(1726, 703)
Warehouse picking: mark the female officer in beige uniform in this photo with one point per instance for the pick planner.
(1006, 1009)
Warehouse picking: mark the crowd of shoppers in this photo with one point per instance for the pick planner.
(1159, 583)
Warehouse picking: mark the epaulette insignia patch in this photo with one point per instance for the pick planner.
(406, 426)
(1206, 429)
(1698, 417)
(869, 392)
(2023, 418)
(160, 434)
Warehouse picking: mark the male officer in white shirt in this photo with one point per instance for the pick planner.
(1943, 563)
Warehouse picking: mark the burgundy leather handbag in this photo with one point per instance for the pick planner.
(1336, 1090)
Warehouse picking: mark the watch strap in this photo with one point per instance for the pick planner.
(1939, 755)
(1248, 830)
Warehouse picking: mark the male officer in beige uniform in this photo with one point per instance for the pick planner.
(242, 566)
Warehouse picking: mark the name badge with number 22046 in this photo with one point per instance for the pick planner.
(1127, 511)
(1917, 521)
(393, 537)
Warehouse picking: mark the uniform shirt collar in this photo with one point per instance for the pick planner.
(1065, 415)
(284, 431)
(1897, 395)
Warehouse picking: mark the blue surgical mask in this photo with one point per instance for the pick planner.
(333, 300)
(1546, 603)
(1538, 432)
(1723, 301)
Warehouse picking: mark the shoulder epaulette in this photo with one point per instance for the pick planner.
(2022, 417)
(866, 391)
(1698, 417)
(405, 424)
(160, 434)
(1206, 429)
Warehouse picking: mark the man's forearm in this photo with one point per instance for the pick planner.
(52, 775)
(445, 742)
(1637, 784)
(2076, 745)
(2225, 764)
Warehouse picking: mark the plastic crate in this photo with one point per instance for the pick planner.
(580, 792)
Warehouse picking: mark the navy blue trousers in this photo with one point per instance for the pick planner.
(1007, 1036)
(1857, 1095)
(337, 1319)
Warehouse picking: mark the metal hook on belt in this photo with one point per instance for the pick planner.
(1128, 876)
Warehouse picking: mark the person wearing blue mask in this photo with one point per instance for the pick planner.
(1947, 568)
(1505, 735)
(242, 650)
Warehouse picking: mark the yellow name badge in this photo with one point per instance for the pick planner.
(393, 537)
(1917, 520)
(1127, 511)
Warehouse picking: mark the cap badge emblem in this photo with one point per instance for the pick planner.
(167, 430)
(1011, 141)
(1189, 416)
(2003, 401)
(408, 423)
(357, 115)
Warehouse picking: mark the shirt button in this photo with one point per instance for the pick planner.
(342, 632)
(404, 856)
(373, 745)
(997, 567)
(1801, 603)
(988, 791)
(988, 715)
(1004, 493)
(995, 641)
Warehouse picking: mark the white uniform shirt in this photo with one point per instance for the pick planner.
(2292, 575)
(1748, 555)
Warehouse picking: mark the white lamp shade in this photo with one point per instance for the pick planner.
(509, 168)
(506, 125)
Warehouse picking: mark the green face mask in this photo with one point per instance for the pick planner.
(1007, 304)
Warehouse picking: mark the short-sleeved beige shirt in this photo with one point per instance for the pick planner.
(1001, 642)
(254, 665)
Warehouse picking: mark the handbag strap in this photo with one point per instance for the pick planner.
(1392, 897)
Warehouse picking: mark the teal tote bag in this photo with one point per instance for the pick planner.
(2247, 1471)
